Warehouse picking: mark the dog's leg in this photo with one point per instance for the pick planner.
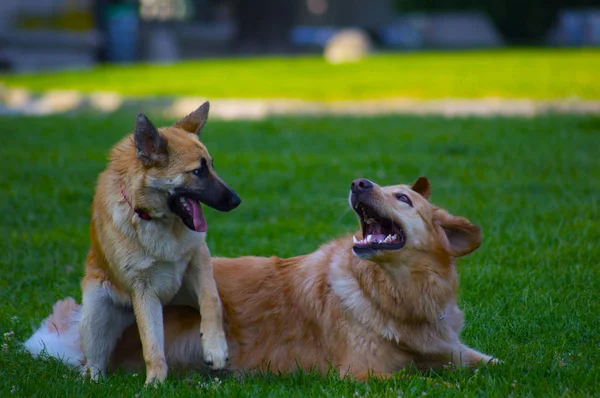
(102, 323)
(466, 356)
(202, 281)
(148, 313)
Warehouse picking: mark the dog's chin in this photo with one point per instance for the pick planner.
(189, 210)
(365, 253)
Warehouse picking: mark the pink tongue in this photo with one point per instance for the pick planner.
(199, 221)
(378, 237)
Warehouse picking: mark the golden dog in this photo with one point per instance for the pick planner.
(147, 244)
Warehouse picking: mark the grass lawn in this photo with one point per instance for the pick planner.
(530, 293)
(513, 73)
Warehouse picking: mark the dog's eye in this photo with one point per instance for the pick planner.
(403, 198)
(202, 169)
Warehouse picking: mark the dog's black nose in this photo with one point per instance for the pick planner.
(235, 200)
(361, 185)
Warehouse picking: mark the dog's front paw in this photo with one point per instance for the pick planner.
(214, 349)
(156, 373)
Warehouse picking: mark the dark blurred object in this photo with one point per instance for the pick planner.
(524, 22)
(363, 14)
(48, 49)
(171, 30)
(122, 32)
(263, 25)
(580, 27)
(519, 21)
(5, 64)
(46, 34)
(100, 23)
(465, 29)
(117, 22)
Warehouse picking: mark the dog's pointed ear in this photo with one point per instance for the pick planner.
(195, 121)
(460, 236)
(422, 187)
(151, 148)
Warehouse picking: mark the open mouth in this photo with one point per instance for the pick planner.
(379, 233)
(190, 212)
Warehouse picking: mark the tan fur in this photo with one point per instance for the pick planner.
(146, 264)
(331, 308)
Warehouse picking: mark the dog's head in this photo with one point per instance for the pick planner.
(179, 166)
(398, 223)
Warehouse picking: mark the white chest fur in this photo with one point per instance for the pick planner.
(162, 277)
(156, 254)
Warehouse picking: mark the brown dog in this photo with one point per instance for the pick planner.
(367, 304)
(148, 244)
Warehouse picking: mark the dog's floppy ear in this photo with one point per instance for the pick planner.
(422, 187)
(195, 121)
(459, 235)
(150, 146)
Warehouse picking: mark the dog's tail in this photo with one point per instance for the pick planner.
(58, 336)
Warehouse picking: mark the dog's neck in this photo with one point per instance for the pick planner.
(409, 293)
(127, 175)
(143, 214)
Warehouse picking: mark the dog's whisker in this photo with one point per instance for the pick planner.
(342, 216)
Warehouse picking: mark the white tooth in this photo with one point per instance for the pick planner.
(369, 238)
(181, 199)
(354, 239)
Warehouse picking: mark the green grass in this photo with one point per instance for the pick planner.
(530, 293)
(515, 73)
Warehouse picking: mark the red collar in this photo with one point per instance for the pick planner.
(143, 214)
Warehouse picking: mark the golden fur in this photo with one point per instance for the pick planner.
(364, 313)
(332, 308)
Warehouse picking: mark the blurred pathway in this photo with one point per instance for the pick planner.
(20, 101)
